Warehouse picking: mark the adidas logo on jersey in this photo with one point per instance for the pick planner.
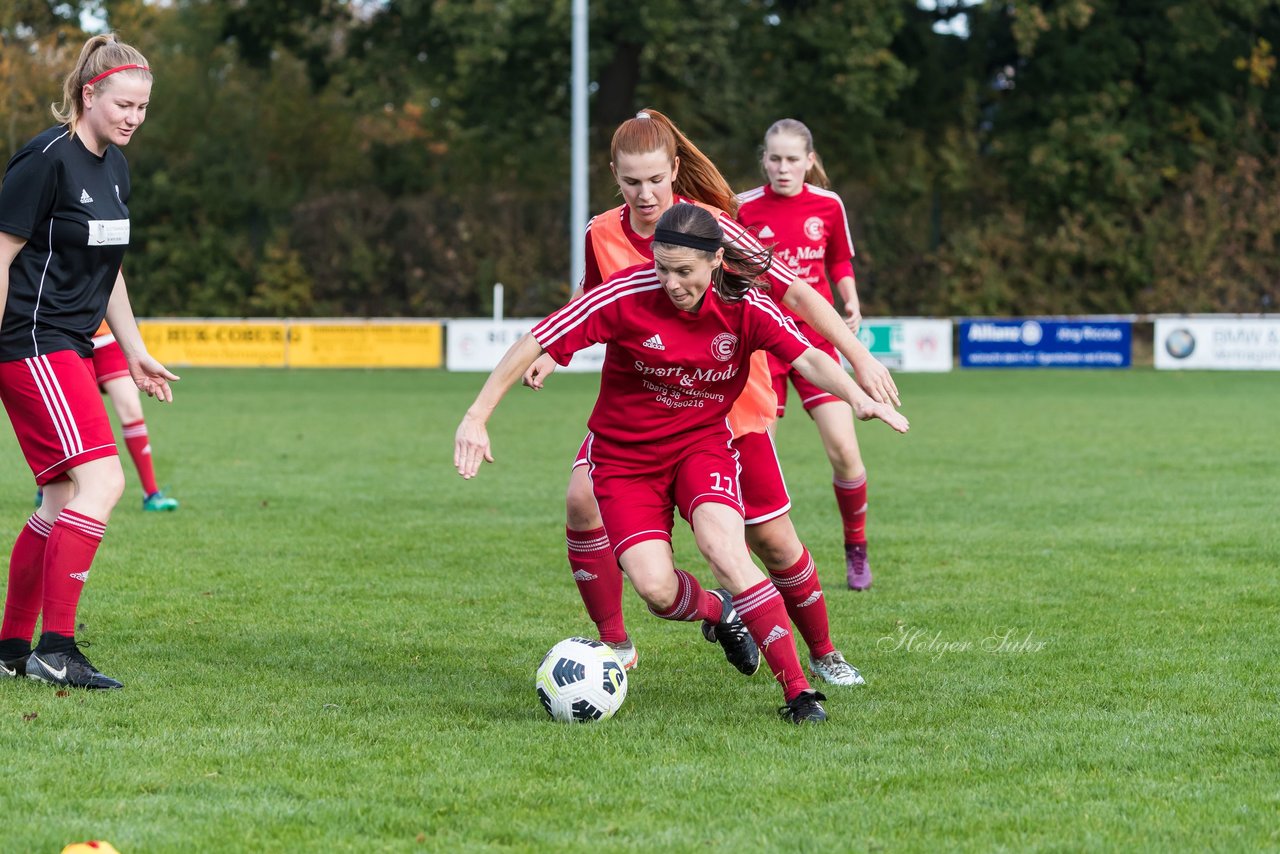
(813, 597)
(82, 577)
(583, 575)
(85, 198)
(655, 342)
(778, 633)
(766, 232)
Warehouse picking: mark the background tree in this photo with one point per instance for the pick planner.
(396, 157)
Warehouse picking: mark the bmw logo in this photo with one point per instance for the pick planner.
(1180, 343)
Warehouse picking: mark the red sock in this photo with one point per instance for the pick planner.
(802, 592)
(761, 608)
(599, 581)
(139, 444)
(26, 581)
(692, 602)
(72, 545)
(851, 498)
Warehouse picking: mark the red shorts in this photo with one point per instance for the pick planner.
(810, 394)
(108, 361)
(764, 493)
(636, 503)
(57, 412)
(581, 458)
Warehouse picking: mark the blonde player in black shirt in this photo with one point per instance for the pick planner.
(64, 228)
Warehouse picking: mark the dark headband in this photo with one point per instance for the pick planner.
(692, 241)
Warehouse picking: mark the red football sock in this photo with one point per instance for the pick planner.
(139, 444)
(761, 608)
(599, 581)
(72, 544)
(692, 602)
(851, 498)
(26, 581)
(802, 592)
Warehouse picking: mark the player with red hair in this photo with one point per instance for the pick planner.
(656, 166)
(680, 333)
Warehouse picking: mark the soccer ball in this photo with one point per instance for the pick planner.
(581, 680)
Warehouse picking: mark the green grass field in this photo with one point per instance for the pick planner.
(331, 646)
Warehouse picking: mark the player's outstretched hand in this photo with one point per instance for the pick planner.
(885, 413)
(153, 378)
(471, 447)
(538, 372)
(876, 380)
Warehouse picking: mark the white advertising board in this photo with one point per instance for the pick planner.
(478, 345)
(908, 344)
(1217, 343)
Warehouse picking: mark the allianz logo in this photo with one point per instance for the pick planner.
(1028, 333)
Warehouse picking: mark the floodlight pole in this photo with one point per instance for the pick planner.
(578, 147)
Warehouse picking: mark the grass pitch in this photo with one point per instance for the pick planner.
(1070, 643)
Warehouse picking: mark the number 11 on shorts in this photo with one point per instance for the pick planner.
(722, 483)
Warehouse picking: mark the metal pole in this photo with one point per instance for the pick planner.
(578, 189)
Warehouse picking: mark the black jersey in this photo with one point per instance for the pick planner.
(70, 205)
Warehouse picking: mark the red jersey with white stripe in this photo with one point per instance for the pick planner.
(779, 277)
(809, 231)
(613, 245)
(669, 376)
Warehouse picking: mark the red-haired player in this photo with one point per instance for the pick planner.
(680, 336)
(656, 166)
(805, 223)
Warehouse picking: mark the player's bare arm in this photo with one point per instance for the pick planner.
(10, 246)
(148, 374)
(823, 372)
(471, 441)
(814, 310)
(544, 365)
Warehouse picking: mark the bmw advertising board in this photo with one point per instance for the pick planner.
(1027, 343)
(1217, 343)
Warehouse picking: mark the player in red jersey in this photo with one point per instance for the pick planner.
(680, 333)
(64, 229)
(656, 166)
(111, 370)
(805, 223)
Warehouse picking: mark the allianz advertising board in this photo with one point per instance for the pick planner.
(1026, 343)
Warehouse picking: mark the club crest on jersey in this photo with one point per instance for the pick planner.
(724, 346)
(813, 228)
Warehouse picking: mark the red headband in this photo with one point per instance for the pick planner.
(111, 71)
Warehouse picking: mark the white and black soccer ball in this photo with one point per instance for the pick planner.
(581, 680)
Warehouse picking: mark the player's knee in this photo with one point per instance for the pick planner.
(775, 552)
(845, 459)
(581, 511)
(658, 591)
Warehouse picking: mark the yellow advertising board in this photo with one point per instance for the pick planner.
(372, 344)
(232, 343)
(296, 343)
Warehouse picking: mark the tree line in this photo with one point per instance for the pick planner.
(397, 157)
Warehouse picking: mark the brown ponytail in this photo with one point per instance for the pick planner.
(741, 270)
(100, 53)
(816, 174)
(698, 178)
